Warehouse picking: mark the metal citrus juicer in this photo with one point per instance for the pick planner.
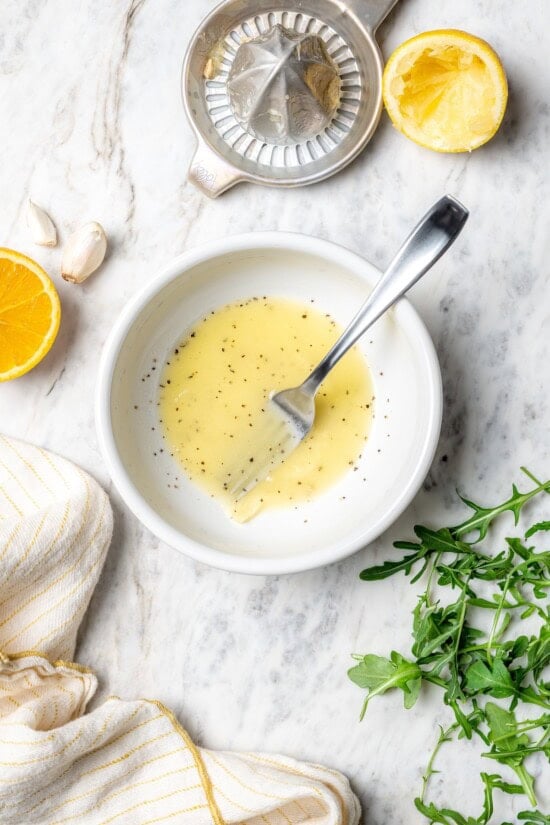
(282, 93)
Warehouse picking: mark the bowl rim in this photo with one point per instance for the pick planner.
(148, 516)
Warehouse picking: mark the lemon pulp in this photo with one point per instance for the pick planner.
(216, 383)
(445, 90)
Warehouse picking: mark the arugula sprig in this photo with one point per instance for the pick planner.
(475, 665)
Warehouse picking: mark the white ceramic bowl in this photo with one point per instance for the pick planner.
(400, 448)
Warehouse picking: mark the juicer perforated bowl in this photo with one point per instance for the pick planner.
(282, 93)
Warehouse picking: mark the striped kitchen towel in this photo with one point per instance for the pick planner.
(126, 761)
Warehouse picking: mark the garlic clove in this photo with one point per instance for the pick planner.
(83, 253)
(41, 225)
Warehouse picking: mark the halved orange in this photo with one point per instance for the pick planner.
(446, 90)
(30, 313)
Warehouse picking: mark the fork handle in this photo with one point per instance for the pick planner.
(428, 241)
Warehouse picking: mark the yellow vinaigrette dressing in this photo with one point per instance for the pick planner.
(217, 380)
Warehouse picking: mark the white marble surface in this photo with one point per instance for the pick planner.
(91, 126)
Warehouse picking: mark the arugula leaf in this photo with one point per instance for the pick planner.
(468, 662)
(538, 652)
(503, 727)
(384, 571)
(503, 733)
(494, 679)
(536, 528)
(492, 782)
(440, 540)
(484, 516)
(377, 675)
(534, 818)
(443, 816)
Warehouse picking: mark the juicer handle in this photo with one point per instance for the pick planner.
(371, 12)
(210, 173)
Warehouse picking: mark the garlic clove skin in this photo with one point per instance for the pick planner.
(83, 253)
(41, 225)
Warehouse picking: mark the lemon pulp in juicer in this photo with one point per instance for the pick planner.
(218, 378)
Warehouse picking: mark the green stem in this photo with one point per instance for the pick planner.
(430, 576)
(460, 625)
(523, 727)
(532, 700)
(526, 783)
(477, 521)
(435, 680)
(533, 478)
(444, 736)
(475, 648)
(518, 753)
(496, 619)
(543, 739)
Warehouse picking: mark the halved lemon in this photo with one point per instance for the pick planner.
(30, 313)
(446, 90)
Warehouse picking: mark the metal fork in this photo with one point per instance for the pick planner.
(290, 414)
